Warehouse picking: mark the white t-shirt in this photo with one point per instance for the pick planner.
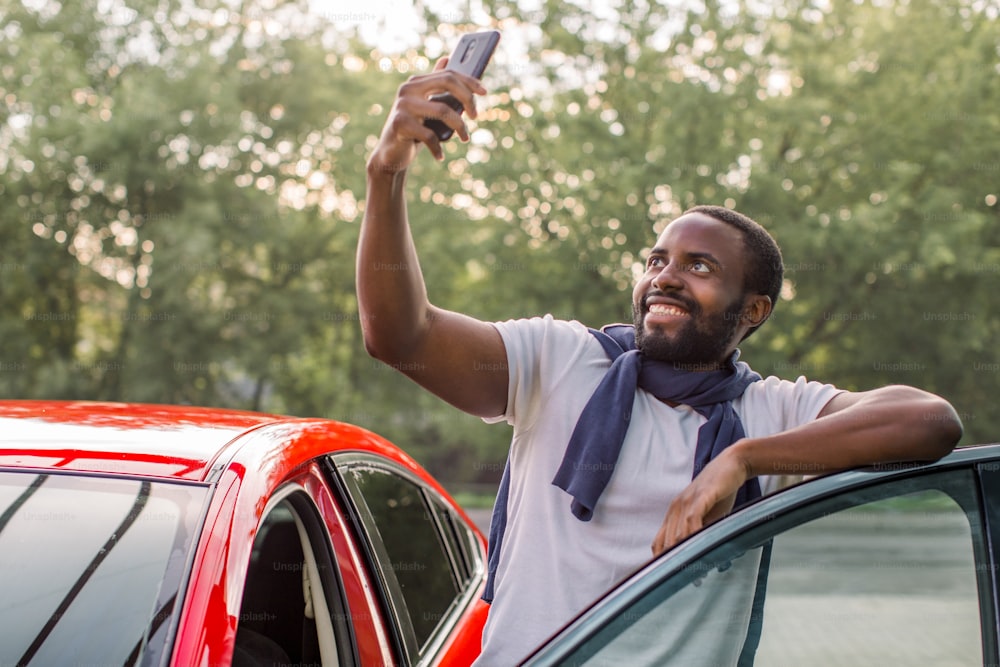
(552, 565)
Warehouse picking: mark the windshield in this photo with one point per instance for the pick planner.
(90, 567)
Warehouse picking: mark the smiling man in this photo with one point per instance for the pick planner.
(710, 250)
(628, 439)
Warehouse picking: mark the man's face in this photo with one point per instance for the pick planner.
(688, 307)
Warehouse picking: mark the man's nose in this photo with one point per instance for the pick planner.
(668, 277)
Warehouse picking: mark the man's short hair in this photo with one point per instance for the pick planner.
(764, 267)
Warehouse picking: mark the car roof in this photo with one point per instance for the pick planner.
(166, 441)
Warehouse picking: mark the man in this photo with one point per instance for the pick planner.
(625, 441)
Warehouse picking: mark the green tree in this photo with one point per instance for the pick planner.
(181, 185)
(859, 134)
(177, 167)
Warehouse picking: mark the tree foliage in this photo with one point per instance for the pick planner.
(181, 187)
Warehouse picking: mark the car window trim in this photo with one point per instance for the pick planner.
(467, 586)
(307, 515)
(460, 572)
(389, 591)
(988, 479)
(468, 547)
(182, 588)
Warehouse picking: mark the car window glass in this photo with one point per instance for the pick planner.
(890, 582)
(460, 541)
(90, 567)
(883, 576)
(418, 557)
(470, 545)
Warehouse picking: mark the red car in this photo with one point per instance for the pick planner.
(166, 535)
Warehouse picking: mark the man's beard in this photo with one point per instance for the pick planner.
(698, 344)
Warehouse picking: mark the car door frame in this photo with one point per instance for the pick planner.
(300, 495)
(988, 476)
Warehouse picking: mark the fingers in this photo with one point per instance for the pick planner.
(681, 522)
(709, 497)
(406, 125)
(693, 509)
(414, 101)
(461, 86)
(471, 82)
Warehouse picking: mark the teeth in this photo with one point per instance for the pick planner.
(661, 309)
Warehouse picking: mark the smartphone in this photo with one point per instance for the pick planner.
(470, 56)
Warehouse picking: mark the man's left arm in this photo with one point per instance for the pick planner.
(894, 423)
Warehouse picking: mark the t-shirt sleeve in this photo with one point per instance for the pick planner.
(774, 405)
(540, 351)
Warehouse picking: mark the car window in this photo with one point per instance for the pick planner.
(462, 545)
(91, 567)
(893, 574)
(423, 561)
(291, 597)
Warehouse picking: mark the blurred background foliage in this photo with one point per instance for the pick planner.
(181, 186)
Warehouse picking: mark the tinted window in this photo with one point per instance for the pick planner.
(893, 574)
(411, 540)
(412, 548)
(461, 543)
(90, 567)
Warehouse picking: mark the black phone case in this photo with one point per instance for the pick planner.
(473, 63)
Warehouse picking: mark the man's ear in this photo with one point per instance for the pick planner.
(757, 309)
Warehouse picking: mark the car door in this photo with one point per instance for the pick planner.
(854, 569)
(426, 562)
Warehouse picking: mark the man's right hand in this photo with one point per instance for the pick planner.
(404, 129)
(456, 357)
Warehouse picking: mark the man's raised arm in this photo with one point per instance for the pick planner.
(458, 358)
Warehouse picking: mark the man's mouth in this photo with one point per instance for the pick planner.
(665, 309)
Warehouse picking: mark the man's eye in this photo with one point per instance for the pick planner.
(654, 261)
(700, 267)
